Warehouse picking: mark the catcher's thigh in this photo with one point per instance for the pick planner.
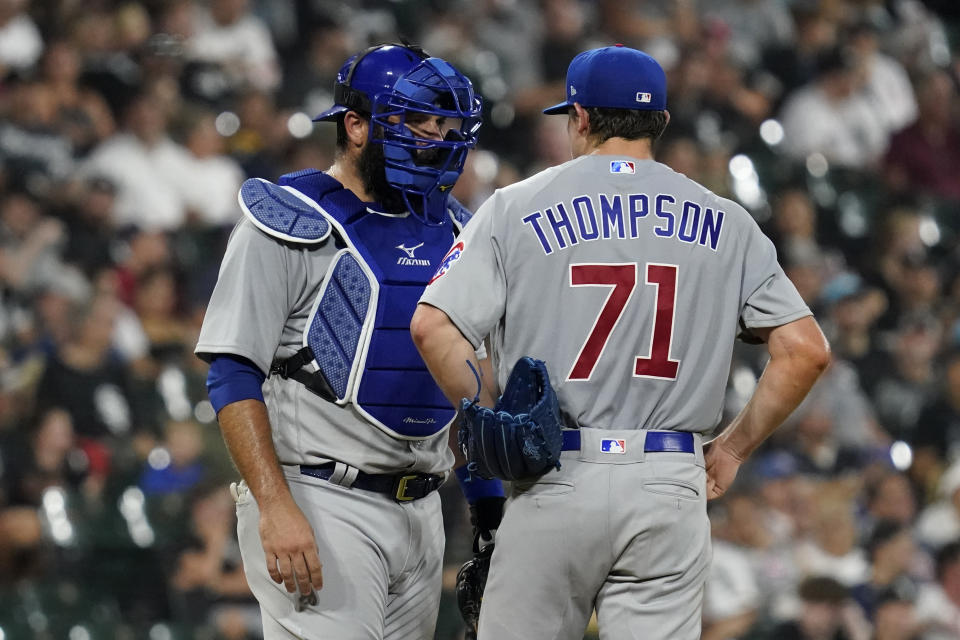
(382, 565)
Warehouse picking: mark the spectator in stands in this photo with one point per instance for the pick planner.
(909, 381)
(895, 614)
(794, 64)
(777, 473)
(177, 466)
(827, 614)
(889, 497)
(794, 219)
(732, 596)
(156, 304)
(939, 522)
(33, 150)
(307, 81)
(835, 428)
(85, 377)
(90, 226)
(892, 554)
(938, 604)
(832, 549)
(938, 429)
(20, 40)
(52, 459)
(30, 244)
(82, 115)
(229, 36)
(209, 585)
(146, 166)
(754, 26)
(925, 156)
(830, 116)
(854, 308)
(210, 179)
(885, 83)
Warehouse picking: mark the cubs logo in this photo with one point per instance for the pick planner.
(452, 256)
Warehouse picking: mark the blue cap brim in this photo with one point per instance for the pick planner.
(331, 113)
(558, 108)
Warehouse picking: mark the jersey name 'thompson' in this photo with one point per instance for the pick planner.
(603, 216)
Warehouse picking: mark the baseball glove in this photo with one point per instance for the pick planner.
(471, 580)
(521, 436)
(485, 516)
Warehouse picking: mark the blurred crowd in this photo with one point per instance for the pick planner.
(126, 128)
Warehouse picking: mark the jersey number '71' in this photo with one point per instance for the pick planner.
(623, 280)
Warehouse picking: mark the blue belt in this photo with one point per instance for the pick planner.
(655, 442)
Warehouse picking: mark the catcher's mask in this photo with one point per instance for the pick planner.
(397, 86)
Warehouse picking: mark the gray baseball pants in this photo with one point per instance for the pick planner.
(623, 533)
(382, 564)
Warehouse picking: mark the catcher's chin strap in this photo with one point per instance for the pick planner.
(293, 366)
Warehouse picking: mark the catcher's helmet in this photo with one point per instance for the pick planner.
(396, 80)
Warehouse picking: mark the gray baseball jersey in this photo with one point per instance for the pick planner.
(628, 279)
(283, 279)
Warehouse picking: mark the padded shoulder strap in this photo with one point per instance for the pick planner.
(282, 213)
(460, 214)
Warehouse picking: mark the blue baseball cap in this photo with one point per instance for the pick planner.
(616, 77)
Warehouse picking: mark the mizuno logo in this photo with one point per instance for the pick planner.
(410, 260)
(410, 420)
(409, 250)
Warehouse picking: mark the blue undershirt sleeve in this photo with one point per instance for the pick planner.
(232, 378)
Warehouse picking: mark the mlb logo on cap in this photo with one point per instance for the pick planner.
(616, 77)
(622, 166)
(611, 445)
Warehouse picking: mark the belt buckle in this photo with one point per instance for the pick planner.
(401, 492)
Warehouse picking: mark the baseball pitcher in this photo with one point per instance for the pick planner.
(621, 285)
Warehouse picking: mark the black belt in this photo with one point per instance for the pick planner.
(403, 487)
(655, 442)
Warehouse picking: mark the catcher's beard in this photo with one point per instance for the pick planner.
(371, 167)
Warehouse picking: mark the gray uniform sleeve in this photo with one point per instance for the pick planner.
(767, 297)
(250, 302)
(473, 289)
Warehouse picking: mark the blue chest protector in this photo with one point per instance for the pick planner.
(358, 331)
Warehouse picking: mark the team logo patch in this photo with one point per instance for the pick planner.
(622, 166)
(612, 445)
(452, 256)
(643, 96)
